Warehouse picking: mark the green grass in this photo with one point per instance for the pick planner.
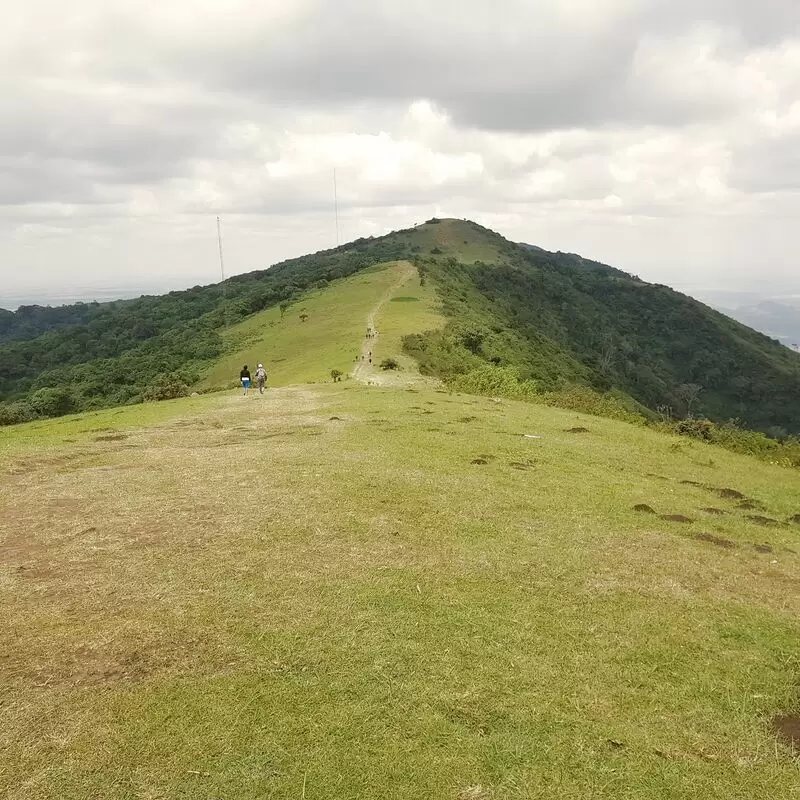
(318, 593)
(416, 310)
(453, 237)
(294, 351)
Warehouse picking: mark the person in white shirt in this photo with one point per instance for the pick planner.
(261, 378)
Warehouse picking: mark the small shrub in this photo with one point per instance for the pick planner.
(696, 428)
(16, 413)
(389, 363)
(589, 401)
(53, 402)
(494, 382)
(165, 387)
(336, 374)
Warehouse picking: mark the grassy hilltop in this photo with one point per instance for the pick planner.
(389, 591)
(557, 319)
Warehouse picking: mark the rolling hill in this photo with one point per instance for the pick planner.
(557, 319)
(349, 590)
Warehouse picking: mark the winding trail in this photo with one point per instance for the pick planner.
(364, 371)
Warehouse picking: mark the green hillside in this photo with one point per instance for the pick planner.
(558, 319)
(343, 591)
(561, 319)
(350, 590)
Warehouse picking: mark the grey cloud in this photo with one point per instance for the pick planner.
(124, 99)
(768, 166)
(511, 66)
(758, 24)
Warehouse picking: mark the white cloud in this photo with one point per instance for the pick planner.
(662, 138)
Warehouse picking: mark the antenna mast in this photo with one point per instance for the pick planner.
(221, 262)
(336, 205)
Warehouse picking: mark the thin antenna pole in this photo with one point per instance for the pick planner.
(336, 205)
(221, 261)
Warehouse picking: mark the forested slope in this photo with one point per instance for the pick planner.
(558, 318)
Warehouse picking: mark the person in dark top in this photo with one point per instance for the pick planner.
(244, 377)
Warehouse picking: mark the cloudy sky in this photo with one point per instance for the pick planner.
(660, 136)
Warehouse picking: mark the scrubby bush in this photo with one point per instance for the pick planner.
(165, 387)
(495, 382)
(16, 413)
(589, 401)
(336, 374)
(696, 428)
(53, 402)
(389, 363)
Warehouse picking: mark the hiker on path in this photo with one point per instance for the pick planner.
(261, 378)
(244, 377)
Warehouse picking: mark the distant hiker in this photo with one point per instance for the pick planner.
(244, 377)
(261, 378)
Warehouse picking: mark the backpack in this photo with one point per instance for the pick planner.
(261, 373)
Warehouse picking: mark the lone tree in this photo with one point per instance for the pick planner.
(284, 306)
(336, 374)
(688, 394)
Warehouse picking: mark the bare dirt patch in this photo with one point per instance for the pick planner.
(765, 521)
(521, 465)
(479, 461)
(675, 518)
(111, 437)
(751, 505)
(711, 538)
(474, 793)
(763, 548)
(577, 430)
(795, 519)
(716, 512)
(89, 665)
(787, 726)
(727, 494)
(691, 483)
(644, 508)
(29, 465)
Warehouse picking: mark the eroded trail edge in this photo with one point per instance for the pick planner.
(365, 371)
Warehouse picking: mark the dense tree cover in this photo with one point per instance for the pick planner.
(100, 354)
(558, 319)
(561, 319)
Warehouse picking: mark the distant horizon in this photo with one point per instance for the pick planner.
(106, 294)
(63, 297)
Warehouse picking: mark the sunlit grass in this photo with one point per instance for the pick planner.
(296, 351)
(320, 588)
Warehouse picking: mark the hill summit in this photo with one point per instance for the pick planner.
(555, 319)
